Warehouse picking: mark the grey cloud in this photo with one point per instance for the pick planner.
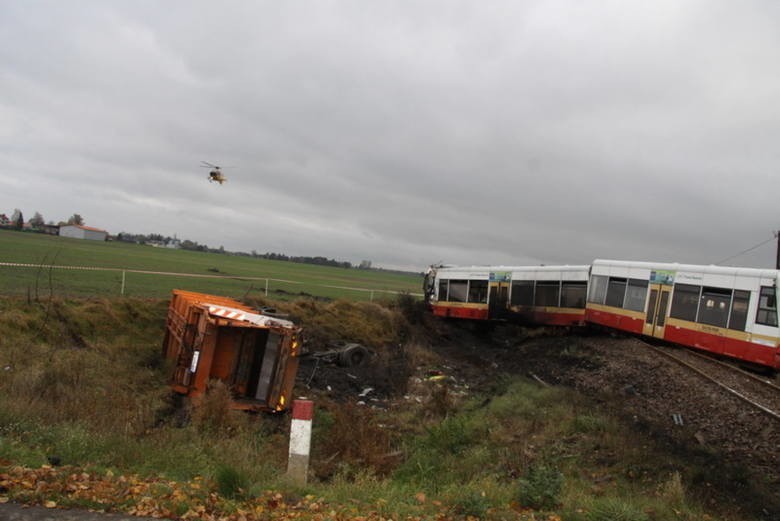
(406, 133)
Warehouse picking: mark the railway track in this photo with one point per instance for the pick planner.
(760, 393)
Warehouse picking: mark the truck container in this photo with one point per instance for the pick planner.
(255, 355)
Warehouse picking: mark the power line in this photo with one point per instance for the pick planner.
(746, 251)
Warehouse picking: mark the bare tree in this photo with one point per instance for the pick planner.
(17, 219)
(76, 219)
(37, 220)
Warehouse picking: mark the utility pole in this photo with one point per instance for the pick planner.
(777, 261)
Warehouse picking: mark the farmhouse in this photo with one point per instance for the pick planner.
(83, 232)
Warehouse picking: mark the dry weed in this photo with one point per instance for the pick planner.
(673, 491)
(355, 439)
(212, 412)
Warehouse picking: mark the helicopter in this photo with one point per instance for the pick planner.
(215, 174)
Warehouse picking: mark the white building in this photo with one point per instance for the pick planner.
(83, 232)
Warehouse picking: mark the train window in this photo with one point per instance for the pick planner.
(616, 292)
(651, 306)
(478, 291)
(598, 289)
(573, 294)
(685, 302)
(523, 293)
(767, 307)
(739, 309)
(636, 295)
(459, 290)
(443, 285)
(714, 306)
(547, 293)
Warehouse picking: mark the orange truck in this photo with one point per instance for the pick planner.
(255, 354)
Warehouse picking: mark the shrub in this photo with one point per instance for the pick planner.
(614, 509)
(212, 413)
(673, 491)
(351, 436)
(230, 482)
(471, 503)
(540, 487)
(451, 436)
(412, 308)
(589, 423)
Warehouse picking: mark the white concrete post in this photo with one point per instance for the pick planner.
(300, 440)
(122, 291)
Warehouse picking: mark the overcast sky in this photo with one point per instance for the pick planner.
(404, 132)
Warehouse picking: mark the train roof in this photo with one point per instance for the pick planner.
(698, 268)
(541, 267)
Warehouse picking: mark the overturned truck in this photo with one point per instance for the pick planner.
(255, 355)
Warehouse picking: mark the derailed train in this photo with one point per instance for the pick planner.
(725, 310)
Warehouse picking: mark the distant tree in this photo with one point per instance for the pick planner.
(37, 220)
(365, 265)
(76, 219)
(17, 219)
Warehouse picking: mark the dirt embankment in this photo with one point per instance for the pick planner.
(734, 450)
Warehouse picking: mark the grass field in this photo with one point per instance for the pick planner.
(82, 383)
(216, 273)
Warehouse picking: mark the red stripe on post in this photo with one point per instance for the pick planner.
(303, 410)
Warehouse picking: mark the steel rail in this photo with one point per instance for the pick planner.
(736, 369)
(701, 373)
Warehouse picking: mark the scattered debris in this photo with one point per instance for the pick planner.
(344, 354)
(544, 384)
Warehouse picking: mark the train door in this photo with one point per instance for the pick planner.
(498, 299)
(657, 307)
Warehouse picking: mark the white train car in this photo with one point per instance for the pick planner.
(725, 310)
(458, 292)
(553, 295)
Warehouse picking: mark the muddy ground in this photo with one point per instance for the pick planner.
(736, 451)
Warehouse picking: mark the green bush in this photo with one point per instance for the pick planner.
(451, 436)
(471, 503)
(614, 509)
(230, 482)
(540, 487)
(589, 423)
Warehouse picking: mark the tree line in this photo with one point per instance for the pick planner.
(186, 244)
(37, 224)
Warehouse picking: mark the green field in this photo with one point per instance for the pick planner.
(222, 274)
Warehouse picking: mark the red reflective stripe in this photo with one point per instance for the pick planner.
(303, 410)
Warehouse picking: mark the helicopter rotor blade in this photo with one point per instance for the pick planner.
(206, 164)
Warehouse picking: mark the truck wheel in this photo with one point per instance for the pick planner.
(352, 355)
